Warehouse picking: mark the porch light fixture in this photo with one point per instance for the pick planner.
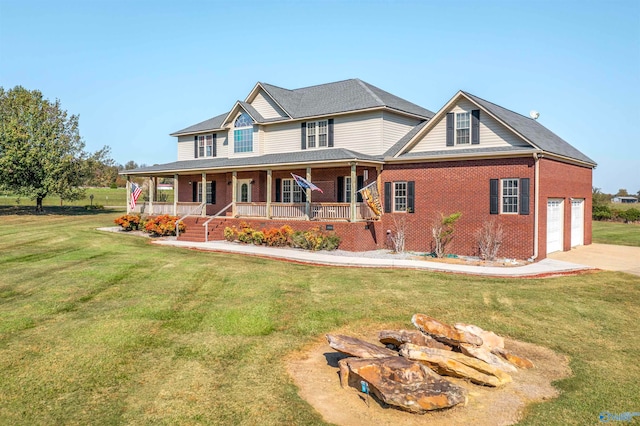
(252, 182)
(189, 182)
(229, 183)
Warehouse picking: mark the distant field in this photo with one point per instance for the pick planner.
(622, 234)
(624, 206)
(103, 196)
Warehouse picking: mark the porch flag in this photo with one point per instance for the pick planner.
(135, 193)
(305, 183)
(371, 196)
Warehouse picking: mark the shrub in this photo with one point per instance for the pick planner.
(230, 233)
(163, 225)
(314, 239)
(94, 207)
(245, 234)
(442, 230)
(129, 222)
(277, 237)
(601, 212)
(113, 185)
(257, 237)
(489, 239)
(630, 215)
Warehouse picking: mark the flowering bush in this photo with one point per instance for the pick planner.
(163, 225)
(277, 237)
(314, 239)
(129, 222)
(230, 233)
(245, 234)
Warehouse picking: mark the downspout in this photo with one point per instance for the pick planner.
(536, 208)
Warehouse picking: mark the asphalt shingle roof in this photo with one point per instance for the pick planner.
(302, 157)
(210, 124)
(535, 132)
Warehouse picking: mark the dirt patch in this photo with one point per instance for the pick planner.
(315, 372)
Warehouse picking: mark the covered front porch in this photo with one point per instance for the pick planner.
(269, 193)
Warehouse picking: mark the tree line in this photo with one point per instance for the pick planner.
(42, 153)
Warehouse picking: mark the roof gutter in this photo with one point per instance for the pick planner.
(456, 157)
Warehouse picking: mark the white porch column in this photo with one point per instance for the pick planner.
(234, 192)
(151, 194)
(204, 194)
(354, 187)
(128, 193)
(307, 207)
(269, 193)
(175, 195)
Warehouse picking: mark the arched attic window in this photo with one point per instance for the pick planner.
(243, 134)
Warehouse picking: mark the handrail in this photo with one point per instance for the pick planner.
(206, 224)
(200, 206)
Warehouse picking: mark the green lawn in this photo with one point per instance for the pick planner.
(100, 328)
(102, 196)
(623, 234)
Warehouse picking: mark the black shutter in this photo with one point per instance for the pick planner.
(387, 197)
(195, 147)
(303, 140)
(475, 127)
(278, 190)
(524, 196)
(331, 132)
(411, 197)
(450, 120)
(360, 185)
(215, 146)
(304, 195)
(493, 196)
(341, 189)
(213, 189)
(194, 187)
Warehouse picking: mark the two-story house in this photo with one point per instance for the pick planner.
(472, 156)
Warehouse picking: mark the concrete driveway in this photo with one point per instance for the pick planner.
(603, 256)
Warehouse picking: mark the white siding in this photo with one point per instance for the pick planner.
(266, 106)
(223, 147)
(359, 132)
(185, 148)
(492, 133)
(395, 127)
(282, 138)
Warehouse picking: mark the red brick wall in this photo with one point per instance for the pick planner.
(564, 181)
(462, 186)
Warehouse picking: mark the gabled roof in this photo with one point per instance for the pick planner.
(324, 99)
(528, 129)
(339, 97)
(286, 158)
(532, 130)
(214, 123)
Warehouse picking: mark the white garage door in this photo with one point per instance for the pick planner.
(554, 225)
(577, 223)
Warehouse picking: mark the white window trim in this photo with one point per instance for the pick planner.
(235, 151)
(202, 145)
(406, 196)
(516, 196)
(315, 125)
(346, 193)
(209, 194)
(468, 128)
(294, 189)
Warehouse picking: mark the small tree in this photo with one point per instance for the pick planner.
(489, 239)
(398, 233)
(442, 230)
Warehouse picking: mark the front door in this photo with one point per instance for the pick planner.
(244, 190)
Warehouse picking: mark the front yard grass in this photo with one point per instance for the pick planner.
(105, 328)
(623, 234)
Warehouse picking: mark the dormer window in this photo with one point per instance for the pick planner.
(243, 134)
(462, 128)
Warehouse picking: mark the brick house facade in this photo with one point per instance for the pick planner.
(472, 157)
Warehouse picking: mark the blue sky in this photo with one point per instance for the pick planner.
(136, 71)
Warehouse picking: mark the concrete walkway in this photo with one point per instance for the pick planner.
(545, 267)
(603, 256)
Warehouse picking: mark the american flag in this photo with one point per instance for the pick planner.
(135, 193)
(305, 183)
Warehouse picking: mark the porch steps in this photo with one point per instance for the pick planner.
(196, 232)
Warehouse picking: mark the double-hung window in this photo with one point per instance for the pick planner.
(205, 146)
(317, 134)
(291, 191)
(510, 195)
(462, 128)
(243, 134)
(400, 196)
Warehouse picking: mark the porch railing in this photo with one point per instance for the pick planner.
(330, 211)
(191, 212)
(251, 209)
(288, 210)
(164, 208)
(297, 211)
